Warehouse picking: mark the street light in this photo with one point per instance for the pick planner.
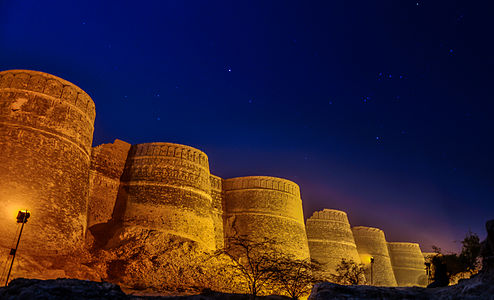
(372, 270)
(428, 271)
(22, 217)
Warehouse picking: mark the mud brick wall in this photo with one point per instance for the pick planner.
(107, 165)
(167, 187)
(261, 206)
(331, 240)
(408, 264)
(46, 131)
(371, 242)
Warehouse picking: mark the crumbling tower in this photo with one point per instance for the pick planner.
(266, 207)
(331, 240)
(166, 187)
(408, 264)
(46, 131)
(371, 243)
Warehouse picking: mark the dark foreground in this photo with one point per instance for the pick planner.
(480, 287)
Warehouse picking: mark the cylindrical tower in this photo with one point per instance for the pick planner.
(166, 187)
(408, 264)
(266, 207)
(46, 131)
(371, 244)
(331, 240)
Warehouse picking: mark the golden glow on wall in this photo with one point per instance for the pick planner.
(366, 258)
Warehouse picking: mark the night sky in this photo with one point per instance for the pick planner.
(383, 109)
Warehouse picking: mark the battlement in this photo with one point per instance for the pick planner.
(164, 189)
(49, 85)
(182, 152)
(368, 229)
(330, 214)
(402, 245)
(261, 182)
(216, 183)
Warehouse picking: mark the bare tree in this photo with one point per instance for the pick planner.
(253, 261)
(349, 273)
(295, 277)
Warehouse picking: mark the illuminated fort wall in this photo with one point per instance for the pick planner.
(217, 206)
(49, 167)
(408, 264)
(261, 206)
(46, 132)
(166, 187)
(371, 242)
(331, 240)
(107, 165)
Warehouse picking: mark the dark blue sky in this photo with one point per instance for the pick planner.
(379, 108)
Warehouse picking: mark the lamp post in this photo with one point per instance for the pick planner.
(428, 272)
(22, 217)
(372, 270)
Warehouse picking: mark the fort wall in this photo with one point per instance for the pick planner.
(46, 131)
(371, 243)
(166, 187)
(331, 240)
(107, 165)
(408, 264)
(217, 206)
(152, 191)
(266, 207)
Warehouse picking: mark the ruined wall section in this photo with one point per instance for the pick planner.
(266, 207)
(167, 187)
(46, 132)
(330, 240)
(107, 165)
(371, 242)
(408, 264)
(217, 205)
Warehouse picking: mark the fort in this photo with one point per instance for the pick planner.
(84, 197)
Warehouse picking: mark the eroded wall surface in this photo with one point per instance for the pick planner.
(408, 264)
(167, 187)
(46, 131)
(217, 210)
(107, 165)
(371, 243)
(266, 207)
(331, 240)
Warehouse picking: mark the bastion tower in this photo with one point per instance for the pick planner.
(266, 207)
(167, 187)
(408, 264)
(46, 131)
(371, 243)
(331, 240)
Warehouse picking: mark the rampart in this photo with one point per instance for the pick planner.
(331, 240)
(107, 165)
(167, 187)
(46, 131)
(266, 207)
(371, 243)
(138, 196)
(217, 206)
(408, 264)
